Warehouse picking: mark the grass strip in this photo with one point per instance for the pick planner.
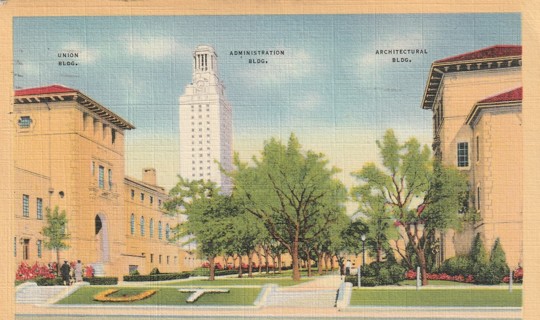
(467, 297)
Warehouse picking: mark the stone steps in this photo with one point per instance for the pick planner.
(302, 298)
(31, 293)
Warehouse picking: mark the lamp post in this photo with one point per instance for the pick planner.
(363, 238)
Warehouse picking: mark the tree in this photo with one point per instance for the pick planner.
(55, 231)
(292, 192)
(208, 216)
(210, 221)
(497, 259)
(420, 195)
(478, 255)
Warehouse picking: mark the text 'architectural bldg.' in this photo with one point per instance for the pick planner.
(205, 123)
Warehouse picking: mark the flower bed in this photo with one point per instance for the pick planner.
(411, 275)
(27, 272)
(104, 296)
(518, 276)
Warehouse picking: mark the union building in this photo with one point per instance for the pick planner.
(69, 152)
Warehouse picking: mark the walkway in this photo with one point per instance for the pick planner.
(319, 293)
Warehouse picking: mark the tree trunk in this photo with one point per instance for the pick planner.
(296, 268)
(58, 262)
(260, 260)
(423, 265)
(326, 262)
(320, 258)
(240, 266)
(212, 268)
(331, 263)
(279, 262)
(250, 267)
(379, 253)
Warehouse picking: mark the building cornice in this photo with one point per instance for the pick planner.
(480, 108)
(439, 69)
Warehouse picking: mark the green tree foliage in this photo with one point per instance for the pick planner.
(478, 255)
(497, 260)
(210, 222)
(55, 232)
(418, 194)
(292, 192)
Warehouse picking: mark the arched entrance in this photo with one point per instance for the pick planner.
(102, 237)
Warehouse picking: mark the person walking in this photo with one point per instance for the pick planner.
(78, 271)
(65, 270)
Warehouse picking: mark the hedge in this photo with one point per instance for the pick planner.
(49, 282)
(102, 280)
(158, 277)
(365, 281)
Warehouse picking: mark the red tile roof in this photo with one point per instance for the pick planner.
(44, 90)
(496, 51)
(512, 95)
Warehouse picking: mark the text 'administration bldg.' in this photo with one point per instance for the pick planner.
(205, 123)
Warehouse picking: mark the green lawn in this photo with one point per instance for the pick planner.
(165, 296)
(470, 297)
(238, 282)
(436, 283)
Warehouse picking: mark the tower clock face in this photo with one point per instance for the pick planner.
(199, 84)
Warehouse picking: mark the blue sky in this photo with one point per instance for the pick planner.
(330, 87)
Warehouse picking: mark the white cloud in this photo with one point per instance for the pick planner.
(307, 102)
(153, 47)
(85, 55)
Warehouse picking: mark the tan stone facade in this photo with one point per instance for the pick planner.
(477, 128)
(69, 152)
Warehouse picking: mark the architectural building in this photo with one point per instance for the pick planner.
(476, 102)
(205, 123)
(69, 152)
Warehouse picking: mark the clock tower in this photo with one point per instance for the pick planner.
(205, 123)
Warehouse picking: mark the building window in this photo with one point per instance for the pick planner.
(142, 196)
(159, 259)
(167, 259)
(26, 249)
(151, 200)
(25, 203)
(25, 122)
(159, 202)
(132, 194)
(462, 154)
(167, 231)
(132, 224)
(113, 136)
(151, 226)
(101, 177)
(478, 197)
(39, 208)
(110, 179)
(477, 148)
(39, 248)
(142, 226)
(93, 168)
(159, 228)
(151, 258)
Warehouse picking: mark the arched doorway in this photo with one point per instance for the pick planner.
(102, 237)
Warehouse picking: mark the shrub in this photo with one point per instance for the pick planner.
(487, 274)
(49, 281)
(154, 271)
(477, 255)
(366, 281)
(158, 277)
(457, 265)
(30, 272)
(134, 272)
(101, 280)
(397, 273)
(497, 260)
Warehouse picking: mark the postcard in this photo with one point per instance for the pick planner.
(251, 162)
